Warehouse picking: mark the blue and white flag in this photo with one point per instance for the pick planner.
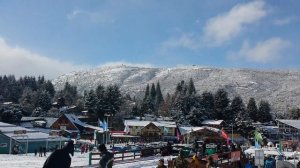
(166, 130)
(101, 125)
(105, 126)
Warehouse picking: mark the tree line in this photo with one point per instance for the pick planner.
(37, 97)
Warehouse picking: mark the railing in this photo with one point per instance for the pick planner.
(132, 154)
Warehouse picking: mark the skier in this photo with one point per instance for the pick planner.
(60, 158)
(107, 158)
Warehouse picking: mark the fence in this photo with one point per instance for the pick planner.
(132, 154)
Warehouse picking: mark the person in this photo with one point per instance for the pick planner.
(44, 151)
(210, 162)
(161, 164)
(60, 158)
(41, 152)
(180, 161)
(197, 161)
(298, 164)
(35, 152)
(270, 162)
(249, 164)
(195, 145)
(107, 157)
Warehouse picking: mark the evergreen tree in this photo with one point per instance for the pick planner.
(207, 104)
(152, 92)
(113, 99)
(191, 87)
(48, 86)
(147, 92)
(159, 97)
(221, 103)
(101, 104)
(264, 111)
(90, 102)
(135, 111)
(252, 109)
(237, 107)
(294, 113)
(44, 101)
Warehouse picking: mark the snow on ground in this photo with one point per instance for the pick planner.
(78, 160)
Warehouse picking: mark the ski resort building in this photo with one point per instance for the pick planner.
(289, 129)
(151, 130)
(15, 139)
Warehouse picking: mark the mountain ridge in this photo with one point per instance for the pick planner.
(280, 87)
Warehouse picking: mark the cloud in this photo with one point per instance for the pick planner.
(189, 41)
(221, 28)
(224, 27)
(95, 17)
(283, 21)
(20, 62)
(263, 52)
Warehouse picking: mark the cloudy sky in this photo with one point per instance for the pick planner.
(55, 37)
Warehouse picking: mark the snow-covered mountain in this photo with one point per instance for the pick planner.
(280, 87)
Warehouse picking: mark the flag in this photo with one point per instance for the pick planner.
(257, 144)
(166, 130)
(105, 126)
(100, 123)
(127, 129)
(225, 136)
(258, 137)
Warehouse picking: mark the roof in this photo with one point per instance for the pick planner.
(74, 119)
(32, 135)
(2, 124)
(49, 121)
(139, 123)
(292, 123)
(187, 130)
(212, 122)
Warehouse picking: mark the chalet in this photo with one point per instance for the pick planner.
(207, 134)
(155, 130)
(71, 126)
(213, 123)
(41, 124)
(289, 129)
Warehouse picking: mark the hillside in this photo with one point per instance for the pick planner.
(280, 88)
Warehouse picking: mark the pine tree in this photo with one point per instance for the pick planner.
(191, 87)
(48, 86)
(294, 114)
(237, 107)
(147, 92)
(159, 97)
(113, 99)
(153, 92)
(44, 101)
(90, 102)
(208, 104)
(101, 103)
(252, 109)
(264, 111)
(221, 103)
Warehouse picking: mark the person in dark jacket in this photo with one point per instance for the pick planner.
(161, 164)
(107, 158)
(60, 158)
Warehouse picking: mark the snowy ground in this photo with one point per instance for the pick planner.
(78, 160)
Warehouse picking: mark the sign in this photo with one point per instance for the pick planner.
(19, 131)
(3, 145)
(235, 156)
(259, 157)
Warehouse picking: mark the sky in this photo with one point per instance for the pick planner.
(53, 37)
